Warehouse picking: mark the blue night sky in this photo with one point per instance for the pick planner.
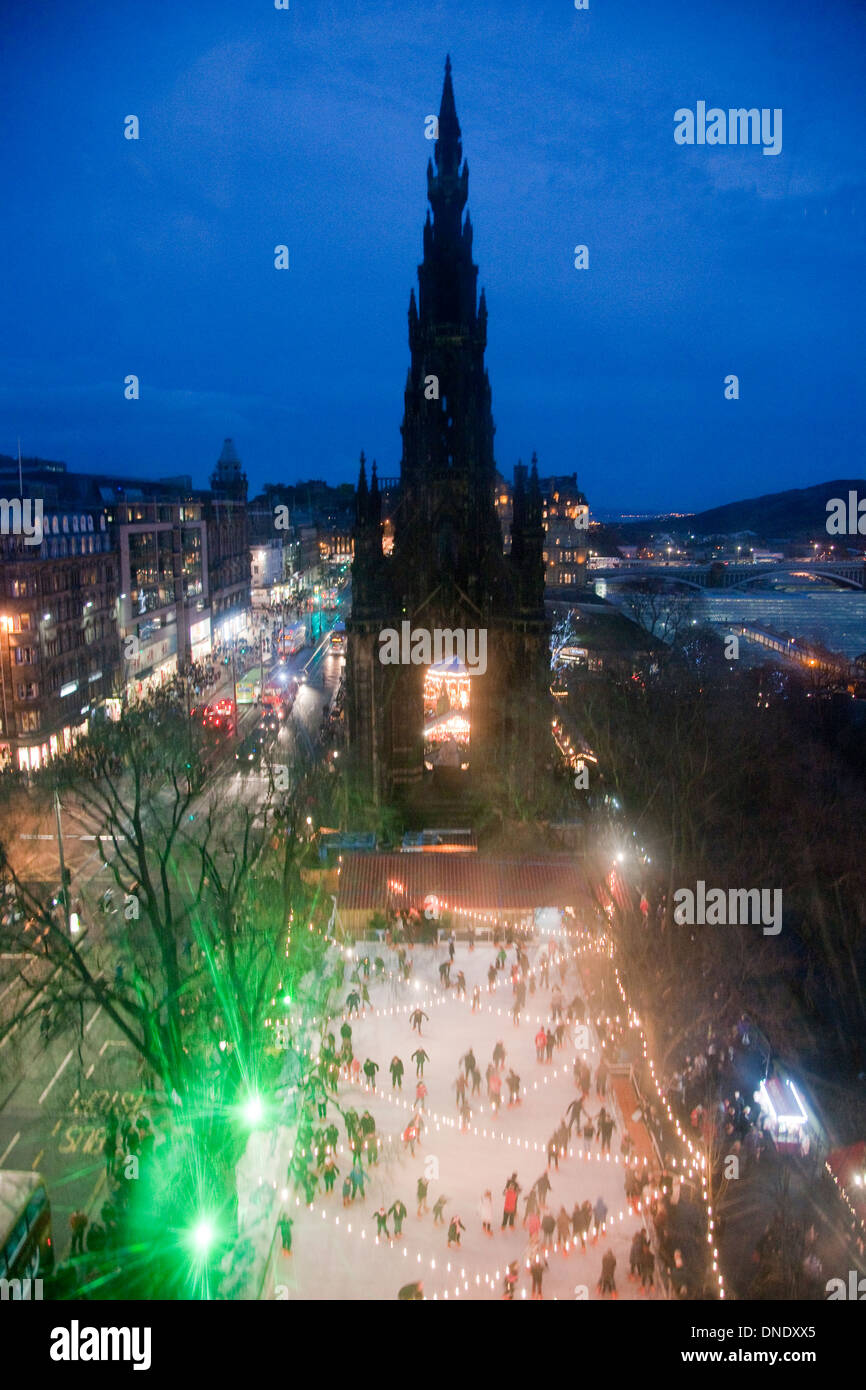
(306, 127)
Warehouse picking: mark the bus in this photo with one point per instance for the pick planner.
(337, 643)
(249, 686)
(26, 1249)
(292, 639)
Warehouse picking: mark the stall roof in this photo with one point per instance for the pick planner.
(470, 881)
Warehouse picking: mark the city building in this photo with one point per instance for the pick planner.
(59, 651)
(426, 731)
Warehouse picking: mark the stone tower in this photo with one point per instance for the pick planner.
(447, 570)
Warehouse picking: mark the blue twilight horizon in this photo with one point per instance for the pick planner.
(306, 127)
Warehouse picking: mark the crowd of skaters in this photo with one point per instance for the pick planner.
(550, 1227)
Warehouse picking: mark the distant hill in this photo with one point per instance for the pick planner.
(793, 515)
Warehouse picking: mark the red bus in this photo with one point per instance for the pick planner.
(26, 1249)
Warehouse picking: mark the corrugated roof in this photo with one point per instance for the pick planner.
(474, 882)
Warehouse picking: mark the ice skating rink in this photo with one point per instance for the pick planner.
(336, 1253)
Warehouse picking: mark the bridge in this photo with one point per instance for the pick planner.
(847, 574)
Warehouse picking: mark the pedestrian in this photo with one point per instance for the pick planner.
(78, 1225)
(439, 1211)
(485, 1207)
(419, 1057)
(399, 1213)
(396, 1069)
(454, 1229)
(606, 1283)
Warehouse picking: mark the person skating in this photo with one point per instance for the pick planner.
(370, 1069)
(445, 974)
(491, 979)
(542, 1187)
(606, 1283)
(410, 1135)
(454, 1229)
(573, 1113)
(476, 1082)
(509, 1208)
(499, 1055)
(647, 1270)
(635, 1253)
(415, 1020)
(553, 1151)
(460, 1088)
(599, 1216)
(451, 946)
(412, 1293)
(563, 1230)
(530, 1205)
(357, 1180)
(382, 1222)
(465, 1116)
(439, 1211)
(468, 1061)
(398, 1211)
(347, 1192)
(485, 1207)
(537, 1266)
(513, 1081)
(601, 1078)
(548, 1226)
(476, 998)
(549, 1040)
(495, 1091)
(461, 985)
(510, 1281)
(421, 1194)
(353, 1003)
(543, 969)
(286, 1233)
(330, 1173)
(540, 1041)
(396, 1069)
(419, 1057)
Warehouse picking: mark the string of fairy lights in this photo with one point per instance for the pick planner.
(599, 946)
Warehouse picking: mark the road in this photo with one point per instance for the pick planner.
(53, 1099)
